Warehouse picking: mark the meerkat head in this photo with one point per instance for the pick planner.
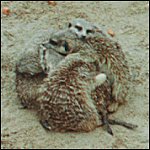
(57, 43)
(61, 42)
(84, 29)
(80, 27)
(56, 46)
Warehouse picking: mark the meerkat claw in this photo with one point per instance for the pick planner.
(108, 128)
(106, 122)
(45, 124)
(23, 107)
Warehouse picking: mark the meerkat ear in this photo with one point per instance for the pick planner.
(69, 25)
(95, 28)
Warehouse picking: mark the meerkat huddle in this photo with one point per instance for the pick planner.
(74, 78)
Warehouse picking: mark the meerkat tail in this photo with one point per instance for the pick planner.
(122, 123)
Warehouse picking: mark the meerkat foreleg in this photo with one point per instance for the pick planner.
(43, 58)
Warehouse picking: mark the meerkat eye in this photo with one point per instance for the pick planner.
(53, 42)
(69, 26)
(89, 31)
(66, 46)
(78, 28)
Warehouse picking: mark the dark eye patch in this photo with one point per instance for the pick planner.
(66, 46)
(69, 25)
(89, 31)
(78, 28)
(53, 42)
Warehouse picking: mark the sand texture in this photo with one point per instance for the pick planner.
(20, 128)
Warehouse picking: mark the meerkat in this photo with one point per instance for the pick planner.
(90, 77)
(114, 65)
(110, 54)
(36, 60)
(66, 96)
(65, 100)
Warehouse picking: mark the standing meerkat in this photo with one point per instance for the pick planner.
(65, 97)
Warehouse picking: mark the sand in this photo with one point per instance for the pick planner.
(20, 128)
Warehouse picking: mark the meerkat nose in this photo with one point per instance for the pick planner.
(83, 37)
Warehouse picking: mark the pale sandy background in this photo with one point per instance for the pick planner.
(129, 20)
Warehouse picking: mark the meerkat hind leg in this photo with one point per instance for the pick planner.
(106, 122)
(105, 119)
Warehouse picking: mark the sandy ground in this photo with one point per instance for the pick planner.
(129, 20)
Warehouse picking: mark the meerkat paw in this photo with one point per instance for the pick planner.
(42, 52)
(106, 123)
(25, 105)
(108, 128)
(100, 78)
(43, 59)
